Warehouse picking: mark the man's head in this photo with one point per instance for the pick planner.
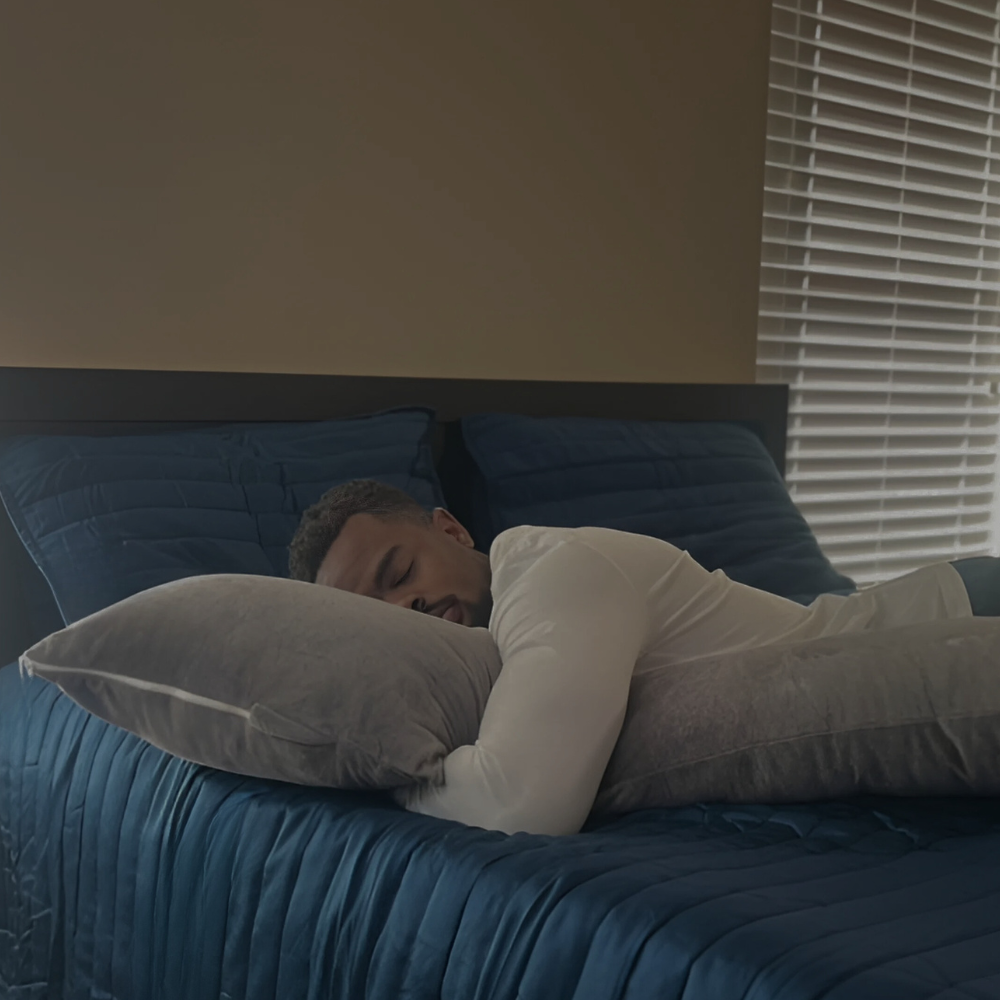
(375, 540)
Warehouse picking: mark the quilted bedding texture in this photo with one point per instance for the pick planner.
(127, 874)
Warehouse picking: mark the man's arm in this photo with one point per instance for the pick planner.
(569, 626)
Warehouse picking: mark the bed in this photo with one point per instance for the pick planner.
(129, 874)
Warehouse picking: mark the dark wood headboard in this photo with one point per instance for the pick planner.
(100, 401)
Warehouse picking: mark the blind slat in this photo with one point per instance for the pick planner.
(912, 278)
(859, 227)
(900, 255)
(897, 432)
(874, 409)
(887, 323)
(895, 388)
(866, 343)
(866, 297)
(823, 521)
(860, 475)
(804, 455)
(888, 495)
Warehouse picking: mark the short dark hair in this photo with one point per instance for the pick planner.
(323, 521)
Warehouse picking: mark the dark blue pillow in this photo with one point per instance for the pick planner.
(710, 488)
(107, 517)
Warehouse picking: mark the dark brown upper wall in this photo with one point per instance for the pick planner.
(521, 189)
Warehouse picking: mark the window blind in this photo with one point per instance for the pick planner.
(880, 274)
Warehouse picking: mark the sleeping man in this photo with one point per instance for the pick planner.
(576, 613)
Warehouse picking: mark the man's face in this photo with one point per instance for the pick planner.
(427, 567)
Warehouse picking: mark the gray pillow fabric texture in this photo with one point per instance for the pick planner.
(279, 679)
(913, 710)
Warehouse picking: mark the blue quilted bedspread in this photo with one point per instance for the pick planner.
(131, 875)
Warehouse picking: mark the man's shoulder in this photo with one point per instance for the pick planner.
(528, 540)
(538, 569)
(544, 537)
(515, 549)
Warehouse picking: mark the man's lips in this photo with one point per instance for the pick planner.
(450, 610)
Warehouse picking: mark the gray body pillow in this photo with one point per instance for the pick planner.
(311, 685)
(913, 710)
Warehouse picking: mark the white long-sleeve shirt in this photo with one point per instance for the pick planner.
(577, 612)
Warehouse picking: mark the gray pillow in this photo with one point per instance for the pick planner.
(279, 679)
(906, 711)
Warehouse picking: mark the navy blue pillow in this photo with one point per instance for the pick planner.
(107, 517)
(710, 488)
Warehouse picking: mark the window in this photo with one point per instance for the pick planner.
(880, 274)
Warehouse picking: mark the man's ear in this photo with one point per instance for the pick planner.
(445, 521)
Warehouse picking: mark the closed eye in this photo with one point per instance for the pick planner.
(406, 576)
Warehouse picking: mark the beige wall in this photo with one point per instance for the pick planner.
(522, 189)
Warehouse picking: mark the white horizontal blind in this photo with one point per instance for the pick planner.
(880, 277)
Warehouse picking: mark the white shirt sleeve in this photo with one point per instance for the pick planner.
(569, 626)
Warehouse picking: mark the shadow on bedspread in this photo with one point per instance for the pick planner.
(130, 874)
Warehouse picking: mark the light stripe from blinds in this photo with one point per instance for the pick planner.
(880, 274)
